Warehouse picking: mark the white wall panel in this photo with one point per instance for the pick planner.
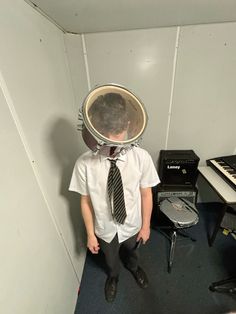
(36, 274)
(79, 78)
(204, 105)
(77, 66)
(34, 66)
(202, 110)
(142, 61)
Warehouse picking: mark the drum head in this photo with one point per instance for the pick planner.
(114, 115)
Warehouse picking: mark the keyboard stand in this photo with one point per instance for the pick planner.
(224, 191)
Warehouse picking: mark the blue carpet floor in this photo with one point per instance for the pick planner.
(183, 291)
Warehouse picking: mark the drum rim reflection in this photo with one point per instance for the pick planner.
(100, 138)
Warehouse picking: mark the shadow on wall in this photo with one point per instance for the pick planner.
(67, 147)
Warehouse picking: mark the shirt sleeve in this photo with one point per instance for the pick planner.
(149, 176)
(78, 181)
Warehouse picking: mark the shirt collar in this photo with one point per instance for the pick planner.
(121, 157)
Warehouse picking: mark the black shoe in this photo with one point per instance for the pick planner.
(111, 288)
(140, 277)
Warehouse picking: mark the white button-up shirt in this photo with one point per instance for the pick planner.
(90, 178)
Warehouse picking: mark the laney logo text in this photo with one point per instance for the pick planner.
(173, 167)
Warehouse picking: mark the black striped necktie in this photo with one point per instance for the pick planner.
(116, 193)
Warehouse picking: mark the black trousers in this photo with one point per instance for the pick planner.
(115, 252)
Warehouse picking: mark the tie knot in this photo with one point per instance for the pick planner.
(113, 161)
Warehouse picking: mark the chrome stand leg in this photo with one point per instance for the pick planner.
(172, 250)
(221, 286)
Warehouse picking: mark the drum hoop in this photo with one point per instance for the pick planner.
(98, 136)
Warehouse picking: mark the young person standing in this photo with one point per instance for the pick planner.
(92, 177)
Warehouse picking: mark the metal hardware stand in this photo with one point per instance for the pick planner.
(223, 286)
(173, 238)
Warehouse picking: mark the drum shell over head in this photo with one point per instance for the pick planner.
(93, 136)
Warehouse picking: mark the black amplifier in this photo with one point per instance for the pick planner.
(178, 167)
(189, 194)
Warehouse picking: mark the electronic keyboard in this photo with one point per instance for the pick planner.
(225, 167)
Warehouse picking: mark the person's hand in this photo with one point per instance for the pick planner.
(92, 244)
(144, 233)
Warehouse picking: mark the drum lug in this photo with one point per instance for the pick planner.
(81, 121)
(80, 127)
(99, 145)
(80, 116)
(136, 144)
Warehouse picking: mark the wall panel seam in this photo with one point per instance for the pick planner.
(86, 61)
(172, 86)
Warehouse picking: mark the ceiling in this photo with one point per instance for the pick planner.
(86, 16)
